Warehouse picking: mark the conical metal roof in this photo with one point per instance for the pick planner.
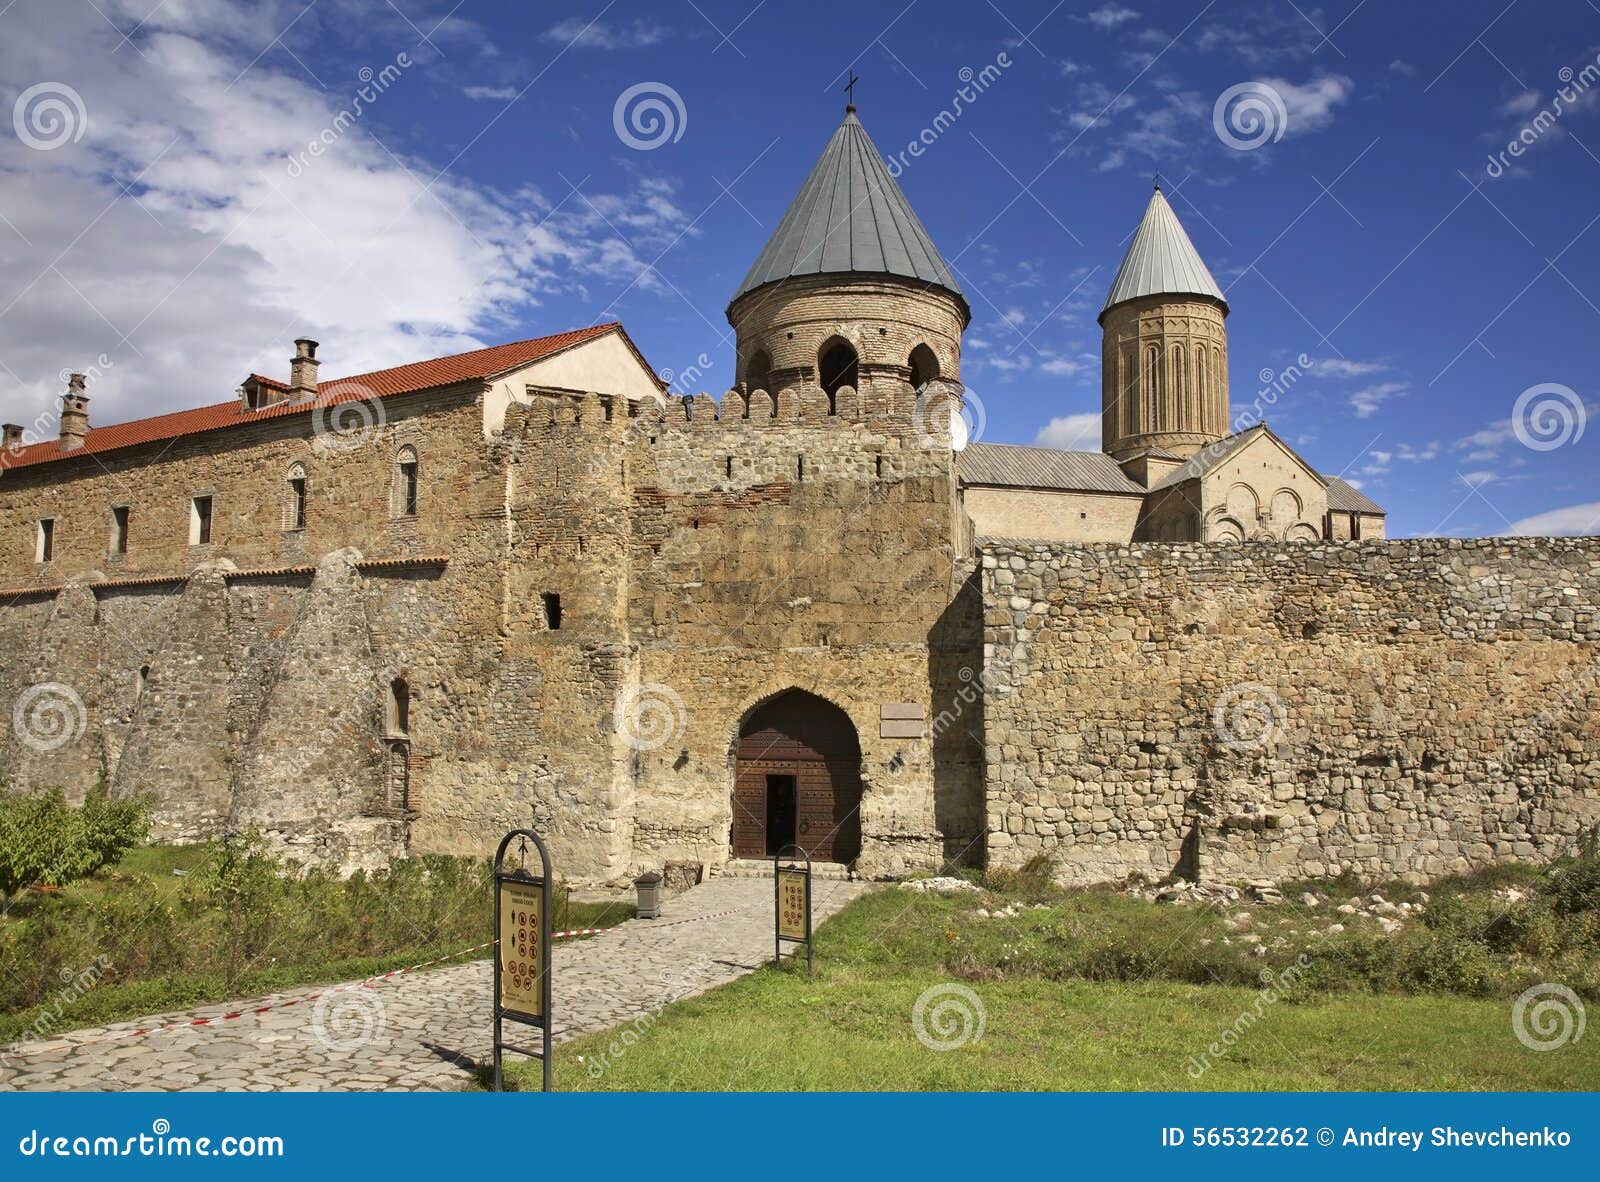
(1162, 261)
(850, 216)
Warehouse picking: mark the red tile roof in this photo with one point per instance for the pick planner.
(477, 365)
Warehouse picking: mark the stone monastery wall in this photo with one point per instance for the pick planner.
(704, 557)
(586, 608)
(1276, 711)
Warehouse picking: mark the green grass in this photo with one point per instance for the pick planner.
(172, 942)
(1097, 990)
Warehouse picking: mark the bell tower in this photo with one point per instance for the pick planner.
(1163, 345)
(850, 290)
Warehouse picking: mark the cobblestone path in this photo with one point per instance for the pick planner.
(425, 1030)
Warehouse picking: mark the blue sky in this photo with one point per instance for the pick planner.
(181, 235)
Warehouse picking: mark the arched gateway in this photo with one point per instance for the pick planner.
(797, 778)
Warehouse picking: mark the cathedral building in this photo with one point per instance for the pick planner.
(1175, 465)
(404, 610)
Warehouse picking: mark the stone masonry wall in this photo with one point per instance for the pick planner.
(793, 549)
(245, 682)
(1397, 708)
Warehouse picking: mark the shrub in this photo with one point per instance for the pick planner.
(45, 840)
(1573, 884)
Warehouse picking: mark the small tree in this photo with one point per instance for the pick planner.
(45, 840)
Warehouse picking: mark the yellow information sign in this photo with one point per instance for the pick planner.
(794, 904)
(521, 922)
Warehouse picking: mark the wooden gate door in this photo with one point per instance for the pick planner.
(801, 736)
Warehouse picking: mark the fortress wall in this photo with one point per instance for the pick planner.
(1392, 708)
(798, 550)
(267, 670)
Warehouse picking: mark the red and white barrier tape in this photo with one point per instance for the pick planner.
(366, 984)
(294, 1001)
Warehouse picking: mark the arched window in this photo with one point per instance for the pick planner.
(1128, 404)
(1180, 387)
(398, 715)
(758, 371)
(294, 497)
(924, 366)
(407, 476)
(1153, 386)
(836, 368)
(1219, 390)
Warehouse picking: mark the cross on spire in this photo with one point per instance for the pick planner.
(850, 88)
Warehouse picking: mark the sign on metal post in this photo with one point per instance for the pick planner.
(522, 949)
(791, 901)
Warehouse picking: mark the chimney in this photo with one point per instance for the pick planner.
(303, 369)
(74, 414)
(13, 436)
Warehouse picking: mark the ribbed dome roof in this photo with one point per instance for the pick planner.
(850, 216)
(1162, 261)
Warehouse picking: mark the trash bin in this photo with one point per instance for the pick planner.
(648, 886)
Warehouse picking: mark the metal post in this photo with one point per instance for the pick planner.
(777, 905)
(543, 1020)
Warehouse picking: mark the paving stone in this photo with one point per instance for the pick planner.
(426, 1031)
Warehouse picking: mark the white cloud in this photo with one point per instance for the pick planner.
(1365, 402)
(1268, 36)
(177, 239)
(1403, 67)
(1109, 16)
(1521, 104)
(1479, 479)
(500, 93)
(1309, 106)
(1486, 442)
(1080, 432)
(1063, 366)
(584, 34)
(1565, 522)
(1341, 367)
